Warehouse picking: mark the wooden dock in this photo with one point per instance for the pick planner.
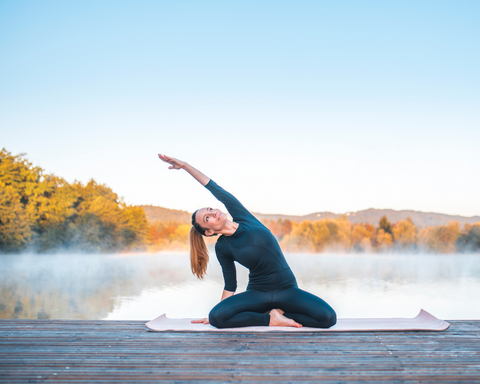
(36, 351)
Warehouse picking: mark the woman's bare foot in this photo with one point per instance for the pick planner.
(278, 320)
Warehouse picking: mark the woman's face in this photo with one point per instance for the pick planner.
(211, 219)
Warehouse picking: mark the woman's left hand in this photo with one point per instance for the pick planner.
(204, 321)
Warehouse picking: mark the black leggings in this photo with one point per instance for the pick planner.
(248, 309)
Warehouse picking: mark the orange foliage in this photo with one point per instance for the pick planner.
(171, 235)
(279, 228)
(405, 233)
(316, 236)
(383, 241)
(362, 236)
(440, 239)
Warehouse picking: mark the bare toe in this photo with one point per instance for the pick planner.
(278, 320)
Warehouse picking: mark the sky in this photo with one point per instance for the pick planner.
(293, 106)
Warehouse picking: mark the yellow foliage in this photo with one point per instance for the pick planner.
(441, 239)
(405, 233)
(384, 240)
(45, 212)
(299, 238)
(137, 224)
(180, 235)
(308, 236)
(362, 236)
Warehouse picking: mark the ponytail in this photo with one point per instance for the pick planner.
(198, 254)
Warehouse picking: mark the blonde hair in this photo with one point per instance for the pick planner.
(198, 254)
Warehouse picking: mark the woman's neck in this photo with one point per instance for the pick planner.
(229, 228)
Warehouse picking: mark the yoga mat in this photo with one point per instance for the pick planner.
(424, 321)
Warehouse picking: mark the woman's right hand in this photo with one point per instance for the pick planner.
(204, 321)
(179, 164)
(174, 163)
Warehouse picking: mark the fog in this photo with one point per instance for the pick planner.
(143, 286)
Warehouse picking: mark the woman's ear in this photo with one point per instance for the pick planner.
(209, 232)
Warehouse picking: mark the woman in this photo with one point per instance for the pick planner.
(272, 297)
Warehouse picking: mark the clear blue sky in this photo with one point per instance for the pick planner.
(294, 106)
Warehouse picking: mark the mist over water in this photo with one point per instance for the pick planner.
(144, 286)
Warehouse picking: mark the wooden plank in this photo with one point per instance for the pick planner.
(124, 351)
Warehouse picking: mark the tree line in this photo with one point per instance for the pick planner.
(42, 212)
(341, 235)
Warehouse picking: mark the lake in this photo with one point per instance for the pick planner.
(144, 286)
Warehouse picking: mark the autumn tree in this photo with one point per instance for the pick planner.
(405, 233)
(279, 228)
(179, 238)
(385, 225)
(441, 239)
(161, 234)
(469, 238)
(19, 184)
(383, 240)
(362, 235)
(137, 232)
(43, 212)
(299, 239)
(318, 235)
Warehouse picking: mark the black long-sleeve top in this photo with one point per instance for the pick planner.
(253, 246)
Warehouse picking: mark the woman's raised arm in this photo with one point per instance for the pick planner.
(179, 164)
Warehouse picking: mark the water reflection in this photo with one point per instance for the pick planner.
(145, 286)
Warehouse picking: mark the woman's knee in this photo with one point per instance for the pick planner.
(330, 318)
(325, 316)
(216, 317)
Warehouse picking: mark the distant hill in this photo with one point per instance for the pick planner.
(165, 214)
(372, 216)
